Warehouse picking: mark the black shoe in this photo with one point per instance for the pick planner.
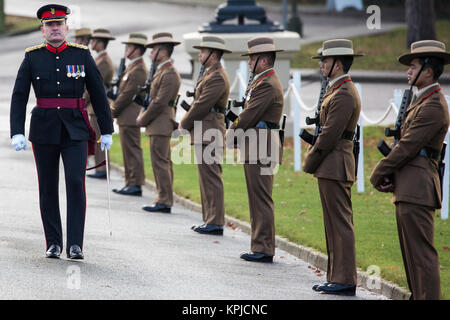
(53, 251)
(257, 257)
(158, 207)
(129, 191)
(317, 286)
(213, 229)
(98, 175)
(75, 252)
(336, 288)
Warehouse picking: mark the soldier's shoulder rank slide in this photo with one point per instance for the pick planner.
(76, 45)
(42, 45)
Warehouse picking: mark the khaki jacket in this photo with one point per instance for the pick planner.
(264, 102)
(159, 118)
(124, 108)
(106, 68)
(212, 90)
(416, 179)
(332, 157)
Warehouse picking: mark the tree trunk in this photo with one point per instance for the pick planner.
(2, 16)
(420, 17)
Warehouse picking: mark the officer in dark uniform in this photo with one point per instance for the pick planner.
(59, 127)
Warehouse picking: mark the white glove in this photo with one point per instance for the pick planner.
(106, 141)
(18, 142)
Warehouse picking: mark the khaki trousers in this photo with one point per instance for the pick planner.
(162, 168)
(340, 237)
(211, 189)
(415, 231)
(99, 154)
(133, 160)
(259, 189)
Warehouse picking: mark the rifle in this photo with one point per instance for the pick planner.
(145, 102)
(356, 147)
(305, 135)
(441, 166)
(186, 106)
(114, 91)
(229, 114)
(396, 133)
(281, 132)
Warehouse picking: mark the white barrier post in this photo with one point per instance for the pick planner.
(243, 68)
(360, 169)
(297, 80)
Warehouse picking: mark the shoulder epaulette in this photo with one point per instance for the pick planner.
(42, 45)
(76, 45)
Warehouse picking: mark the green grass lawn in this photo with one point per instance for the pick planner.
(18, 24)
(381, 51)
(298, 212)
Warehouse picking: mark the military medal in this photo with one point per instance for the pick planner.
(83, 74)
(73, 71)
(78, 71)
(69, 74)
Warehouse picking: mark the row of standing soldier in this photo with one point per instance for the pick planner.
(331, 157)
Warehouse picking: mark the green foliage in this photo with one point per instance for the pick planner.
(381, 51)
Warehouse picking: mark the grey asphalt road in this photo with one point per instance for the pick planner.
(149, 256)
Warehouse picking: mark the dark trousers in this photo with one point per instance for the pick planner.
(74, 156)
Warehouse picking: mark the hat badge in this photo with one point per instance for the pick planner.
(52, 11)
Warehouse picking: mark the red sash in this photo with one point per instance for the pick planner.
(70, 103)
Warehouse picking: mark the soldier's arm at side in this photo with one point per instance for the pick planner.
(127, 91)
(94, 86)
(260, 100)
(211, 93)
(19, 100)
(423, 127)
(340, 110)
(167, 90)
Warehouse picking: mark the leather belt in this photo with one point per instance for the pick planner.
(348, 135)
(218, 109)
(429, 153)
(70, 103)
(267, 125)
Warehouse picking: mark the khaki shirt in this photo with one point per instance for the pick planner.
(212, 90)
(106, 68)
(332, 157)
(264, 101)
(416, 178)
(159, 118)
(124, 108)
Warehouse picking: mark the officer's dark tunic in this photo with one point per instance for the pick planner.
(58, 131)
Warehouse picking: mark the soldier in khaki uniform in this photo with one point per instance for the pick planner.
(261, 114)
(125, 110)
(99, 43)
(83, 36)
(159, 118)
(332, 162)
(207, 115)
(410, 170)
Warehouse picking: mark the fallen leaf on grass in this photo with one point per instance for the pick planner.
(446, 248)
